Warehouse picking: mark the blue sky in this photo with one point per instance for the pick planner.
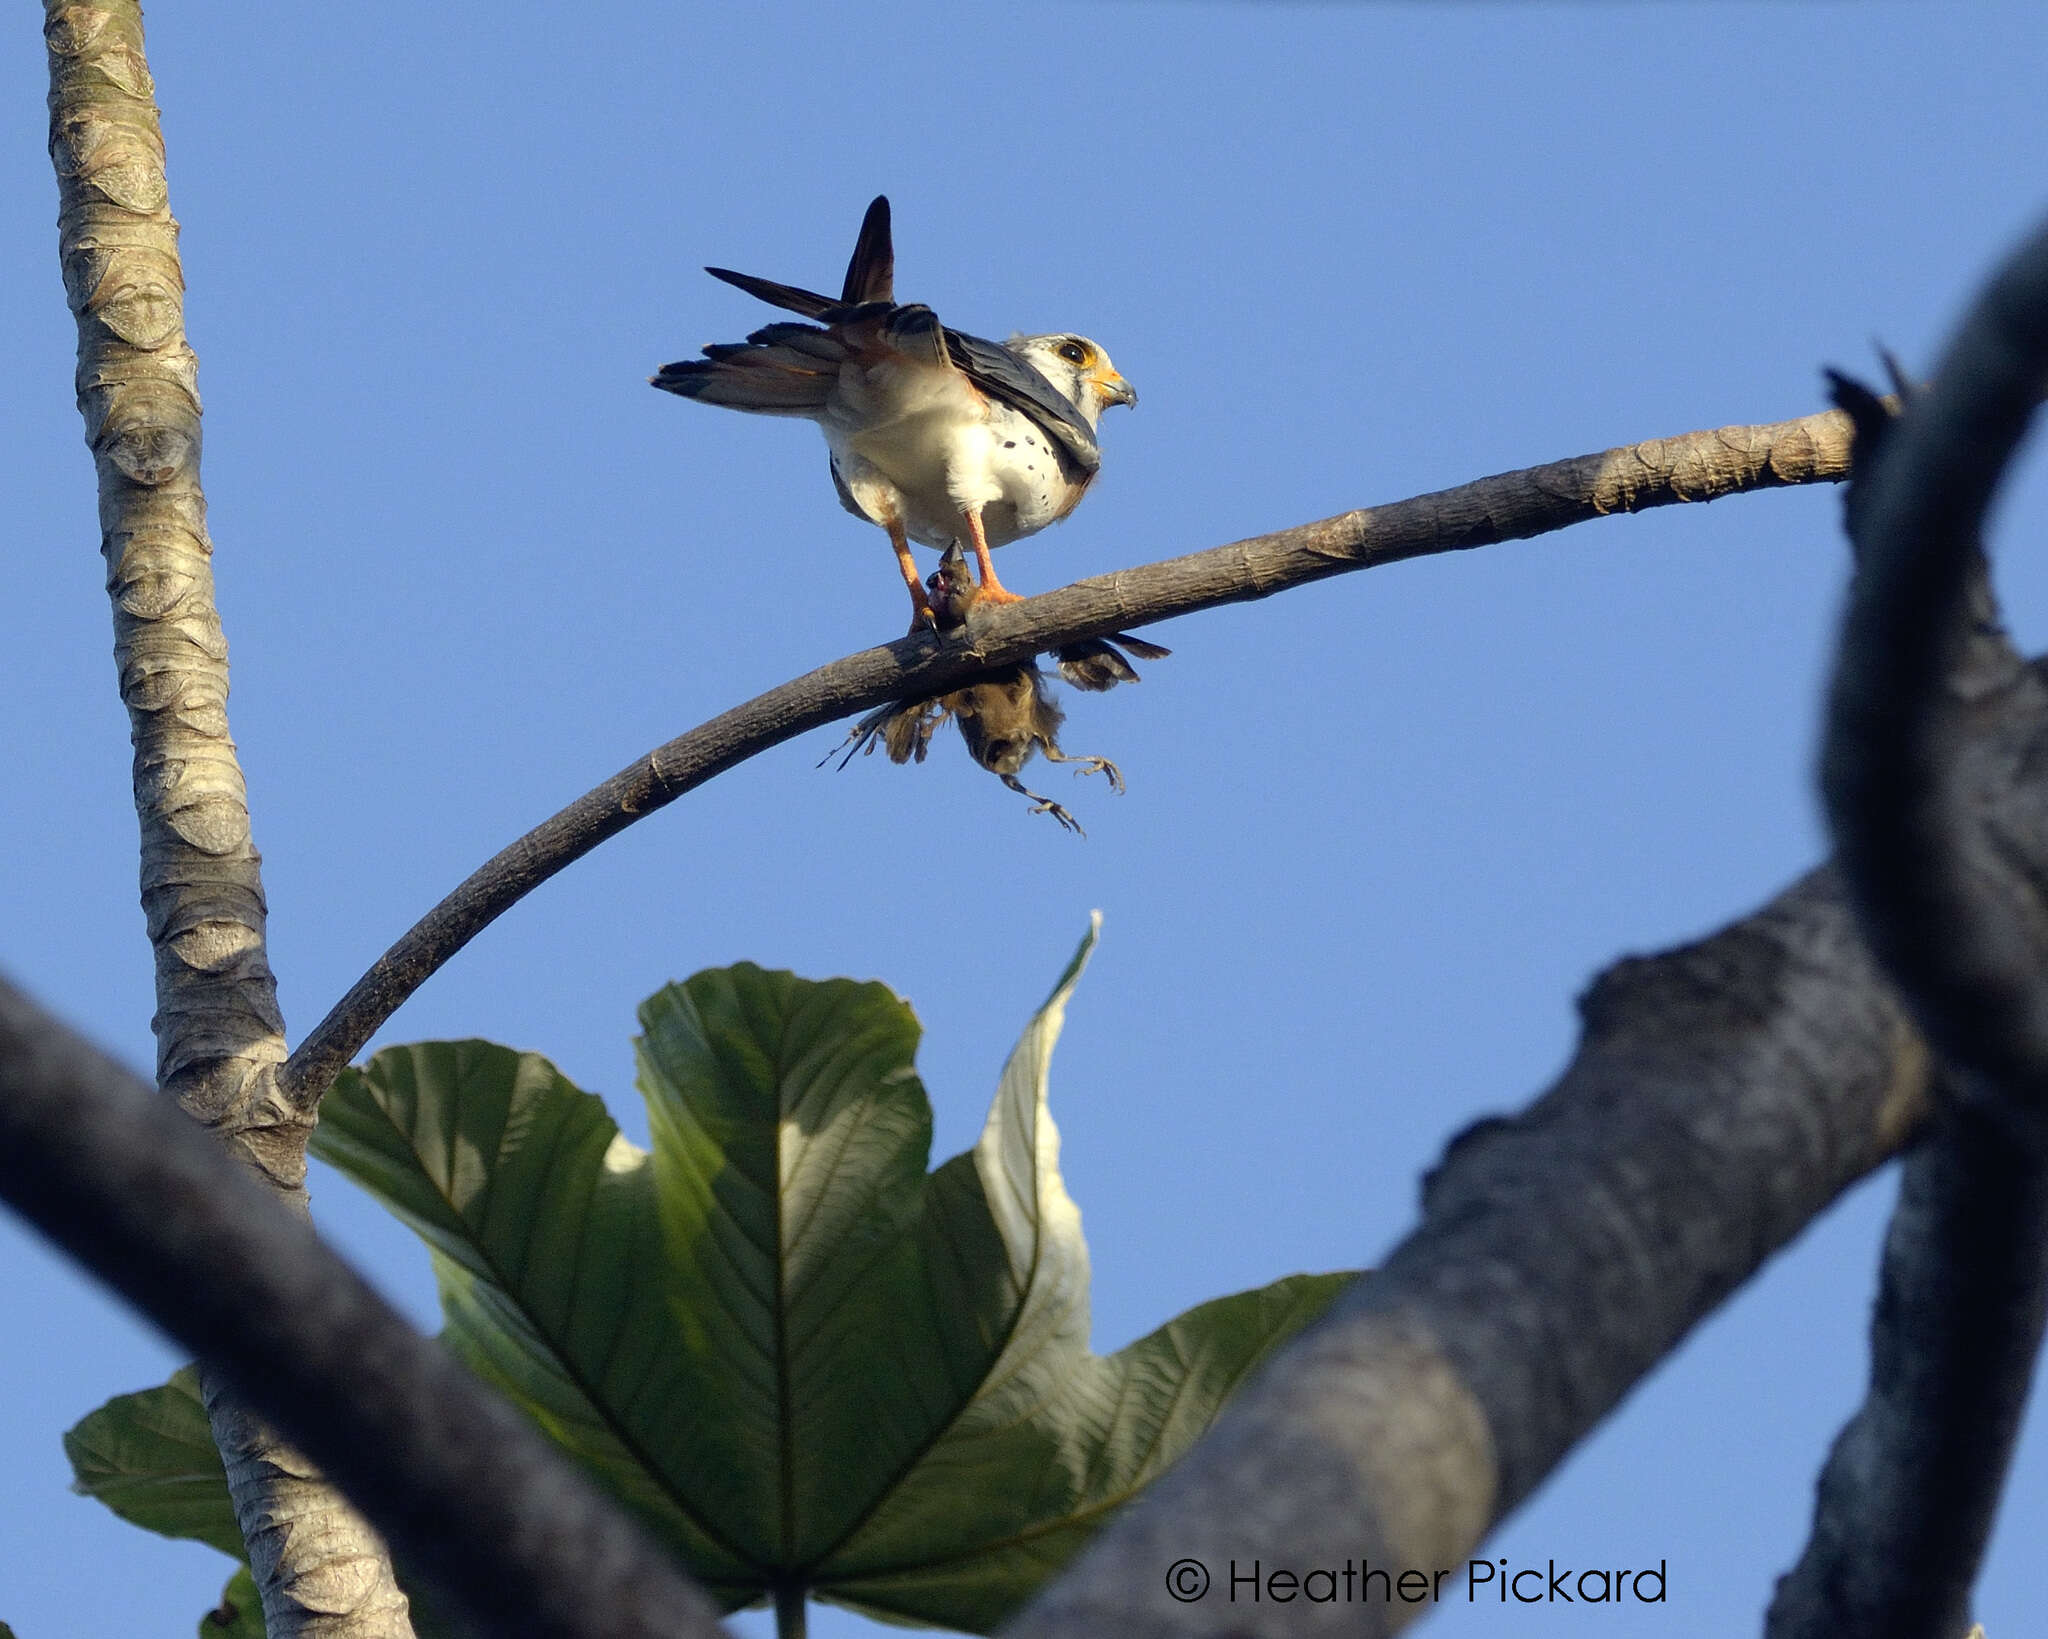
(1379, 831)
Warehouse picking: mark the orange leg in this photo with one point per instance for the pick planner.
(921, 619)
(992, 590)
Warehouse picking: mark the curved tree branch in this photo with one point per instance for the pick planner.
(219, 1034)
(1957, 914)
(1939, 915)
(474, 1495)
(1701, 466)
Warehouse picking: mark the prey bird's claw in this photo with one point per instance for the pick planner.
(1106, 768)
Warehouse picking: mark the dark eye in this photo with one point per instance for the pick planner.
(1073, 352)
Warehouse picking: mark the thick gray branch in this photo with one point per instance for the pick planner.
(1701, 466)
(1721, 1096)
(1952, 901)
(474, 1496)
(219, 1035)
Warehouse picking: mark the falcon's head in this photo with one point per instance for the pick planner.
(1079, 369)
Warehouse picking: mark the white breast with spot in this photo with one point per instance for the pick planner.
(920, 444)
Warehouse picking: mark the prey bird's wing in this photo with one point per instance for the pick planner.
(1013, 379)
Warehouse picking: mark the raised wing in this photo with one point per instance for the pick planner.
(870, 275)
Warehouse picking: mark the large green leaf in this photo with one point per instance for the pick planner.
(803, 1360)
(1112, 1427)
(151, 1458)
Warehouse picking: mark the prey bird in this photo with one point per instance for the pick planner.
(935, 435)
(1004, 716)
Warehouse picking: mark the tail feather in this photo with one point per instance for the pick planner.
(791, 369)
(763, 380)
(793, 297)
(801, 338)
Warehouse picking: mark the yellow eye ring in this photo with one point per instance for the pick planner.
(1073, 352)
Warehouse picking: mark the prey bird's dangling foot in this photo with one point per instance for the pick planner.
(935, 435)
(1005, 719)
(1087, 765)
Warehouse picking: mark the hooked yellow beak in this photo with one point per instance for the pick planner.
(1111, 387)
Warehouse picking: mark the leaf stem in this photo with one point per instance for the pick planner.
(791, 1610)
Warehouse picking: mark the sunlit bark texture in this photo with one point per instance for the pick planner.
(219, 1036)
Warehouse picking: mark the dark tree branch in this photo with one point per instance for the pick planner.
(1701, 466)
(1721, 1096)
(1908, 1495)
(1940, 913)
(466, 1489)
(1953, 905)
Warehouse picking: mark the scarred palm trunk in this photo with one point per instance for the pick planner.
(219, 1035)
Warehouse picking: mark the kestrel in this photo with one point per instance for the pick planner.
(935, 435)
